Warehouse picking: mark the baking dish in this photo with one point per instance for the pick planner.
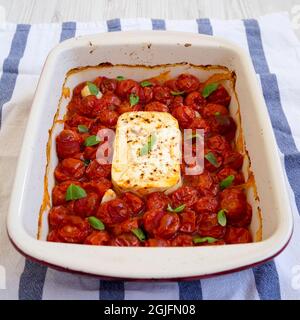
(148, 48)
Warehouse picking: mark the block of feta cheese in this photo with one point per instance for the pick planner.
(147, 153)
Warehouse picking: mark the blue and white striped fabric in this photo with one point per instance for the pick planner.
(275, 53)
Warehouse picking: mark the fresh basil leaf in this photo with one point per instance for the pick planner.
(209, 89)
(177, 93)
(146, 83)
(94, 90)
(75, 192)
(177, 210)
(222, 220)
(139, 233)
(212, 159)
(96, 223)
(134, 99)
(86, 162)
(218, 113)
(91, 141)
(227, 182)
(149, 145)
(199, 239)
(120, 78)
(82, 128)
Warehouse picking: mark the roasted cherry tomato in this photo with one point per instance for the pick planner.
(126, 240)
(183, 240)
(86, 206)
(185, 116)
(99, 186)
(57, 215)
(67, 144)
(220, 96)
(127, 87)
(134, 203)
(195, 100)
(212, 109)
(98, 238)
(187, 83)
(185, 195)
(208, 225)
(151, 220)
(227, 171)
(74, 229)
(95, 170)
(156, 106)
(234, 202)
(112, 212)
(59, 192)
(206, 204)
(157, 201)
(69, 169)
(168, 225)
(125, 226)
(187, 221)
(237, 235)
(157, 243)
(233, 159)
(162, 94)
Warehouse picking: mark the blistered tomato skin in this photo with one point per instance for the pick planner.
(168, 226)
(208, 225)
(156, 106)
(95, 170)
(134, 203)
(182, 240)
(67, 144)
(69, 169)
(57, 215)
(188, 221)
(234, 202)
(158, 219)
(126, 240)
(112, 212)
(157, 201)
(151, 220)
(237, 235)
(86, 206)
(206, 204)
(187, 83)
(220, 96)
(98, 238)
(185, 195)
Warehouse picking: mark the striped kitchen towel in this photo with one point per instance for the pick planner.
(275, 53)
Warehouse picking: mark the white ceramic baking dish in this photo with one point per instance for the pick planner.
(148, 48)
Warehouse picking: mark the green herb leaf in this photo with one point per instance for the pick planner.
(94, 90)
(177, 93)
(146, 83)
(149, 145)
(209, 89)
(222, 220)
(217, 113)
(134, 99)
(212, 159)
(139, 233)
(96, 223)
(91, 141)
(193, 136)
(199, 239)
(227, 182)
(120, 78)
(177, 210)
(75, 192)
(82, 128)
(86, 162)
